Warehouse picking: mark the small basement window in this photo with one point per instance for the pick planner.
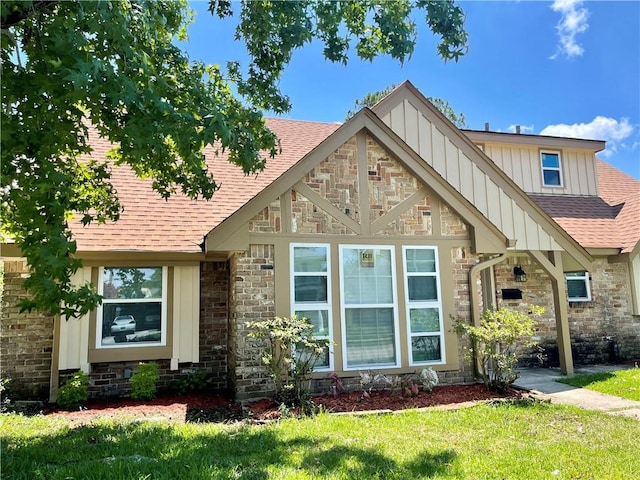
(551, 169)
(578, 286)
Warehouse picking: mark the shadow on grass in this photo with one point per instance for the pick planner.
(366, 463)
(585, 380)
(152, 450)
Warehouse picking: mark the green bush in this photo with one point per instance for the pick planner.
(144, 381)
(291, 354)
(497, 341)
(192, 382)
(74, 392)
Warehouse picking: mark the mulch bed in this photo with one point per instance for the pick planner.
(210, 407)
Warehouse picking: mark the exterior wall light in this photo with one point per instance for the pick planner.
(519, 274)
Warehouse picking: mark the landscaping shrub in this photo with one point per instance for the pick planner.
(496, 343)
(144, 381)
(74, 392)
(191, 382)
(291, 354)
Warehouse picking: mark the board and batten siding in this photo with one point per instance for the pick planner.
(409, 123)
(522, 165)
(74, 333)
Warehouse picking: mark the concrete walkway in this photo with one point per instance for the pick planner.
(541, 382)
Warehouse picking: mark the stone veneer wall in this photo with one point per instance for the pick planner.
(603, 330)
(251, 297)
(26, 339)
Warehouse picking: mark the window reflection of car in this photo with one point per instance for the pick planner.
(123, 324)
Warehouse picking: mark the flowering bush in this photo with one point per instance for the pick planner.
(291, 354)
(497, 341)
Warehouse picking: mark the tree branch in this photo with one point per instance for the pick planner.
(24, 11)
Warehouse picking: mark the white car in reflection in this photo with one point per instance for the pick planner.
(123, 324)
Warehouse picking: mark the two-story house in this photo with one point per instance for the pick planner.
(380, 231)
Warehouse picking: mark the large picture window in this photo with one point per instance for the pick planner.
(424, 308)
(369, 309)
(311, 289)
(133, 311)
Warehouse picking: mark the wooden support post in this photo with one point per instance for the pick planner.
(552, 264)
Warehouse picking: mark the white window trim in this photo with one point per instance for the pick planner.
(314, 305)
(163, 310)
(423, 304)
(587, 281)
(558, 169)
(343, 307)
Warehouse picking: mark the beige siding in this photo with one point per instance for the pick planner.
(74, 333)
(521, 163)
(186, 312)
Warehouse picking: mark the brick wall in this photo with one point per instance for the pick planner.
(252, 297)
(461, 262)
(602, 330)
(26, 339)
(214, 320)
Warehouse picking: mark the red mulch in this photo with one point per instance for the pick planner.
(207, 407)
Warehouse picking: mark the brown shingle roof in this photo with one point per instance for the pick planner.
(179, 224)
(611, 220)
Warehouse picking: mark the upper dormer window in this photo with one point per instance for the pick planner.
(551, 169)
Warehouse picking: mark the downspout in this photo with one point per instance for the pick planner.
(475, 298)
(473, 292)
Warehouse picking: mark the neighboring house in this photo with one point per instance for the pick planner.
(380, 231)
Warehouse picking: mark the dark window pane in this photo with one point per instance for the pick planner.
(422, 288)
(577, 289)
(552, 177)
(426, 349)
(131, 323)
(311, 289)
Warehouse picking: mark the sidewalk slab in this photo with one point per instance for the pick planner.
(542, 381)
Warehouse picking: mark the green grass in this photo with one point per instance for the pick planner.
(510, 441)
(621, 383)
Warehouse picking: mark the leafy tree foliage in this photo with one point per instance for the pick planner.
(73, 70)
(370, 99)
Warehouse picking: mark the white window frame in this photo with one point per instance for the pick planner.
(555, 169)
(317, 306)
(393, 305)
(409, 304)
(587, 281)
(163, 310)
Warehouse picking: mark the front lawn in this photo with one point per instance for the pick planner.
(621, 383)
(511, 441)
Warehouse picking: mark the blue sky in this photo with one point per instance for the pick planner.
(566, 68)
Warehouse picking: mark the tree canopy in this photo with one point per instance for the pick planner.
(73, 68)
(370, 99)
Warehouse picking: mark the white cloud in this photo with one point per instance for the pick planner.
(613, 131)
(523, 128)
(572, 22)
